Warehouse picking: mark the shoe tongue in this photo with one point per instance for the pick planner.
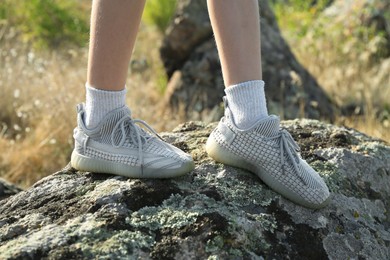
(113, 117)
(119, 113)
(268, 126)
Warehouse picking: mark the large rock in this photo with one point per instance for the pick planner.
(196, 86)
(215, 211)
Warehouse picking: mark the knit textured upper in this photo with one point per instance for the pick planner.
(116, 133)
(271, 150)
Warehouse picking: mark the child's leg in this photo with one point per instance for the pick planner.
(247, 137)
(237, 34)
(107, 140)
(114, 26)
(236, 28)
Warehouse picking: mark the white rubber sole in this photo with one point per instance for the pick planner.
(83, 163)
(222, 155)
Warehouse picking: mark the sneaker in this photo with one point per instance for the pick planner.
(272, 154)
(118, 146)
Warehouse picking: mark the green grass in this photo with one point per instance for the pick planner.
(302, 21)
(297, 16)
(159, 13)
(46, 23)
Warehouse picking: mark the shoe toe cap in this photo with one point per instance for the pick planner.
(320, 198)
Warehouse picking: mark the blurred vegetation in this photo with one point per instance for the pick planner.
(298, 15)
(55, 23)
(159, 13)
(46, 23)
(357, 28)
(346, 46)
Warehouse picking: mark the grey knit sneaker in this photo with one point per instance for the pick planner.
(119, 146)
(270, 153)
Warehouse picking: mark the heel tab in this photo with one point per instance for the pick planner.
(225, 102)
(228, 113)
(80, 107)
(81, 116)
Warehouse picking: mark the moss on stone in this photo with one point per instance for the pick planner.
(114, 245)
(328, 172)
(374, 148)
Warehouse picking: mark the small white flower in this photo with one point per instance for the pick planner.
(16, 93)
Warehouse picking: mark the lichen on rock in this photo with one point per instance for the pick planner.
(214, 212)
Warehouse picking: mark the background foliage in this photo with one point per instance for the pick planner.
(346, 46)
(46, 23)
(159, 13)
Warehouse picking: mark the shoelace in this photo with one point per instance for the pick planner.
(287, 144)
(141, 137)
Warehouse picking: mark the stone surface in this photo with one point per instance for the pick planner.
(215, 212)
(7, 189)
(196, 86)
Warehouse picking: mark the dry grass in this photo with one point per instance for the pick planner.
(348, 59)
(39, 92)
(352, 83)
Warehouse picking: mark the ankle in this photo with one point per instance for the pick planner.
(247, 102)
(100, 102)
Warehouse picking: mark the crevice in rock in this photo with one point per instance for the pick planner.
(149, 193)
(306, 241)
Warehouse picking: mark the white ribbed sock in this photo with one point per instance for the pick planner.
(100, 102)
(247, 102)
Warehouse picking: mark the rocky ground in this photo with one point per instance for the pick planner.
(215, 212)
